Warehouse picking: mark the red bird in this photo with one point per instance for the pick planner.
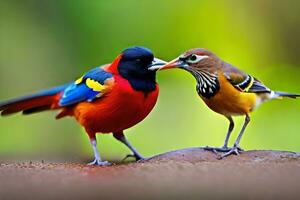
(107, 99)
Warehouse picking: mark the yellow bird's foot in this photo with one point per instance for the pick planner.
(217, 149)
(240, 149)
(234, 150)
(223, 149)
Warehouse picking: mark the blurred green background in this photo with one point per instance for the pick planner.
(47, 43)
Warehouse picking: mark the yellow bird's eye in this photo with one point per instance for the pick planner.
(195, 58)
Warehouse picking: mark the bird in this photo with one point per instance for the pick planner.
(107, 99)
(225, 89)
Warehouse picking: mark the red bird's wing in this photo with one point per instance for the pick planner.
(88, 87)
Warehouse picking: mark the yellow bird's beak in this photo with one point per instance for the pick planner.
(172, 64)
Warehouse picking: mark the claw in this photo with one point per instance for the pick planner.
(142, 160)
(129, 156)
(240, 149)
(98, 162)
(137, 158)
(216, 149)
(235, 150)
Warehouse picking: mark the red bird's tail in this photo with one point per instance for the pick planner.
(41, 101)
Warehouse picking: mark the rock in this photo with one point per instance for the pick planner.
(183, 174)
(195, 155)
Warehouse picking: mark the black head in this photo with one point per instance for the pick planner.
(134, 66)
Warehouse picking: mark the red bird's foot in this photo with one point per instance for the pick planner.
(98, 162)
(142, 160)
(234, 150)
(137, 157)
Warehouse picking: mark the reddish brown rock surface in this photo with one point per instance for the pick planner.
(184, 174)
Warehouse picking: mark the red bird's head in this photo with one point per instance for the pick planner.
(136, 65)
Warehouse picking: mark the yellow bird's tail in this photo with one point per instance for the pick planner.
(284, 94)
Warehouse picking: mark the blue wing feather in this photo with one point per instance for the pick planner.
(98, 74)
(78, 92)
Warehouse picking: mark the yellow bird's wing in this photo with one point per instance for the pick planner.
(243, 81)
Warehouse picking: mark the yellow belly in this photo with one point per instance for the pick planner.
(230, 101)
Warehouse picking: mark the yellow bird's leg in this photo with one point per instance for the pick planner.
(224, 148)
(230, 129)
(235, 148)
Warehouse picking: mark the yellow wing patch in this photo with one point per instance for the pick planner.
(250, 85)
(78, 81)
(94, 85)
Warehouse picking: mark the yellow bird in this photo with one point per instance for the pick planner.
(225, 89)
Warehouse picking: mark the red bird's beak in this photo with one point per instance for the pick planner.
(173, 64)
(156, 63)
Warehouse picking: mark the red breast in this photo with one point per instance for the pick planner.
(121, 108)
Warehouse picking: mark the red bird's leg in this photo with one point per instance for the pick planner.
(97, 161)
(122, 138)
